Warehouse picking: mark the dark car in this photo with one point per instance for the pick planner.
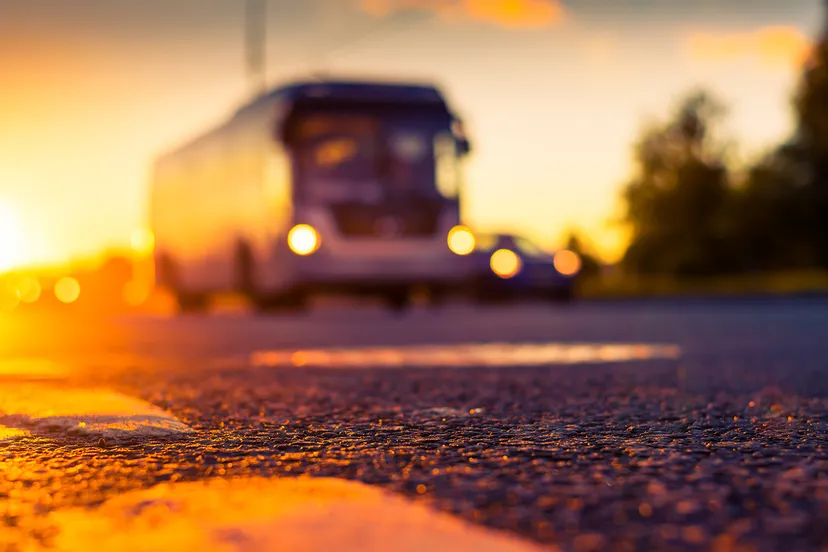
(508, 267)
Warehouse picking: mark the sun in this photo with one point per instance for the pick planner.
(11, 237)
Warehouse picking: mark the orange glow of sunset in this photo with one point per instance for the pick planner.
(505, 13)
(772, 46)
(11, 238)
(551, 92)
(142, 241)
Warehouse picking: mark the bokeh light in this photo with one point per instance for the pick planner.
(303, 239)
(136, 293)
(9, 296)
(505, 263)
(142, 241)
(567, 263)
(67, 290)
(461, 240)
(29, 290)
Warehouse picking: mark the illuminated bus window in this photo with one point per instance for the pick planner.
(447, 170)
(407, 163)
(335, 152)
(346, 158)
(277, 184)
(409, 147)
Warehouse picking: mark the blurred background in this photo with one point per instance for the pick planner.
(678, 147)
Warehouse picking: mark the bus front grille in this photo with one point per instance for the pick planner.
(416, 219)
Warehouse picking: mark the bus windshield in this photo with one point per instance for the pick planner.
(346, 157)
(339, 147)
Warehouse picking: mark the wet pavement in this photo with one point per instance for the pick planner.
(594, 427)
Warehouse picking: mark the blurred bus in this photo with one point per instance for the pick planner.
(323, 186)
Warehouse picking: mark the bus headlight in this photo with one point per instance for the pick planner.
(505, 263)
(461, 240)
(303, 239)
(567, 262)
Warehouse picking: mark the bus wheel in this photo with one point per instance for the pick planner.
(398, 300)
(191, 302)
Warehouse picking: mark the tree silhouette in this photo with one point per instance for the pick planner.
(811, 107)
(676, 205)
(811, 99)
(685, 216)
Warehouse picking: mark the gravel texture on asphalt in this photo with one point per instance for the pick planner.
(723, 449)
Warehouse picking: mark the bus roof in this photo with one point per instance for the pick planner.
(296, 92)
(350, 90)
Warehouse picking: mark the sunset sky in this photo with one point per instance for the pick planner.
(553, 94)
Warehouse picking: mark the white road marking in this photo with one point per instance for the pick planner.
(39, 407)
(460, 355)
(257, 514)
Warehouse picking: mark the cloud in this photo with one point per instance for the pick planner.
(771, 46)
(512, 14)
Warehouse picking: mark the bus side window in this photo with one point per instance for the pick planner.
(446, 165)
(277, 181)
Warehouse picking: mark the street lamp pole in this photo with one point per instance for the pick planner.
(256, 44)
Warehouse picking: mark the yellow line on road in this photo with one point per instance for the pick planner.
(298, 515)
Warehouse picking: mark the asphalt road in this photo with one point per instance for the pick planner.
(628, 426)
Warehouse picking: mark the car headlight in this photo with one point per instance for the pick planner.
(505, 263)
(303, 239)
(461, 240)
(567, 262)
